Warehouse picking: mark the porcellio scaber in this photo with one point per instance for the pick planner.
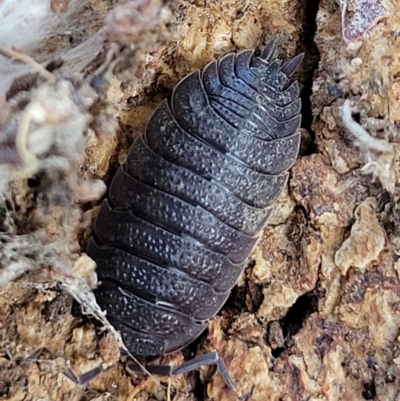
(188, 206)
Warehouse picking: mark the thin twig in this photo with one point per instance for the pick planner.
(24, 58)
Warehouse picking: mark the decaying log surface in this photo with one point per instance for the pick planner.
(316, 314)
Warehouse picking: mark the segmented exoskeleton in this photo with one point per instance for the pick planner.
(187, 208)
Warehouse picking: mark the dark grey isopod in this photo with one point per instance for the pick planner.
(187, 208)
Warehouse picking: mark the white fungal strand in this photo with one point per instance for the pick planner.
(363, 138)
(37, 29)
(379, 154)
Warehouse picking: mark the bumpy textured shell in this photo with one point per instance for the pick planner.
(186, 210)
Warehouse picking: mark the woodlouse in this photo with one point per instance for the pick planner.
(187, 208)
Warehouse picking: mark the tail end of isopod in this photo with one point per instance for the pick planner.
(269, 49)
(291, 66)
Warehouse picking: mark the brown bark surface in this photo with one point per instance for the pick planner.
(316, 316)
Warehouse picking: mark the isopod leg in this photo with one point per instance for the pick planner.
(81, 379)
(85, 377)
(37, 353)
(211, 358)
